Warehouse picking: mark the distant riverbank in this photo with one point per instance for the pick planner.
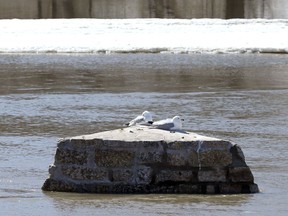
(123, 9)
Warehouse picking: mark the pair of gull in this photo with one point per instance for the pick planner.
(171, 124)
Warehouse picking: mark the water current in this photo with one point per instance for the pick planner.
(44, 97)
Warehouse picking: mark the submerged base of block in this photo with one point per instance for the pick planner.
(203, 188)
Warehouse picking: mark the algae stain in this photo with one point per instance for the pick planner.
(200, 142)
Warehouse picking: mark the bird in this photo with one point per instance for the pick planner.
(171, 124)
(144, 119)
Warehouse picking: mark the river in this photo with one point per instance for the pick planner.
(44, 97)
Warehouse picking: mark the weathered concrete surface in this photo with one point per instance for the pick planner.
(142, 160)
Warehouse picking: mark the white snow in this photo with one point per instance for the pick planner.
(143, 35)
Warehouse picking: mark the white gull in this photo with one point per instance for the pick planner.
(174, 124)
(144, 119)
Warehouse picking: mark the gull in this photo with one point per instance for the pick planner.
(144, 119)
(174, 124)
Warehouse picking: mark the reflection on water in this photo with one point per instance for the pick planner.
(146, 204)
(242, 98)
(80, 199)
(140, 73)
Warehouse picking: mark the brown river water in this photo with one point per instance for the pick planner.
(238, 97)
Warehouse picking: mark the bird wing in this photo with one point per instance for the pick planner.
(163, 121)
(135, 121)
(164, 125)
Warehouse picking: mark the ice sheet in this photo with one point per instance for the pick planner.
(144, 35)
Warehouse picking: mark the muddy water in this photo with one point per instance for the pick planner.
(242, 98)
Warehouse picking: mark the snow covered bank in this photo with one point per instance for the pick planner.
(144, 35)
